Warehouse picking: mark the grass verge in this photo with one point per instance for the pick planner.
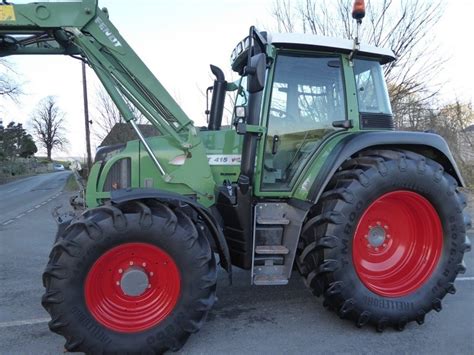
(71, 184)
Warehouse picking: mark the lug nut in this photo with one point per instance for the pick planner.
(131, 262)
(151, 273)
(117, 283)
(120, 271)
(144, 264)
(376, 249)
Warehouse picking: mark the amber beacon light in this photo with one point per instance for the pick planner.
(358, 10)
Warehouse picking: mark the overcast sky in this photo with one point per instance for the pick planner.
(179, 39)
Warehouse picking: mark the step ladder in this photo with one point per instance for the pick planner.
(273, 250)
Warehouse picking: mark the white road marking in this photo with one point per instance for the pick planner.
(468, 278)
(16, 323)
(11, 190)
(30, 210)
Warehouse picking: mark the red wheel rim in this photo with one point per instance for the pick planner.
(109, 303)
(397, 244)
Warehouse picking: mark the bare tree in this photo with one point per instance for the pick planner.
(404, 26)
(455, 122)
(48, 125)
(9, 88)
(452, 123)
(107, 115)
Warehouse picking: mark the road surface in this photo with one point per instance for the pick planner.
(245, 320)
(21, 197)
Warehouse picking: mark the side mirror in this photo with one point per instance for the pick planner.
(255, 71)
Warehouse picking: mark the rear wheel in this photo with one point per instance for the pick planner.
(131, 278)
(386, 241)
(397, 243)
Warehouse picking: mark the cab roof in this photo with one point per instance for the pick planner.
(329, 44)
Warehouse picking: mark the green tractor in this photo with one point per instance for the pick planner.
(310, 175)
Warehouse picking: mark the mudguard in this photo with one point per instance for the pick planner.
(124, 195)
(430, 145)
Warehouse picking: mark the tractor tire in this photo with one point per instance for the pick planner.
(129, 278)
(386, 240)
(61, 229)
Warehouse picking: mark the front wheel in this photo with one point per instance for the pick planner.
(130, 278)
(386, 241)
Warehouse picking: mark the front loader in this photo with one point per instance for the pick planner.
(311, 174)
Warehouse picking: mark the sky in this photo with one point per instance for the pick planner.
(178, 40)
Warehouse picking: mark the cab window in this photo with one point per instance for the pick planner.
(371, 89)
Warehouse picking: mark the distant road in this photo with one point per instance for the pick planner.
(18, 198)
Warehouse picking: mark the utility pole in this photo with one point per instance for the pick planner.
(86, 117)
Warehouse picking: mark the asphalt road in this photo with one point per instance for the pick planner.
(246, 319)
(21, 197)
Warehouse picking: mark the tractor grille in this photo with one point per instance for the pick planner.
(119, 176)
(375, 121)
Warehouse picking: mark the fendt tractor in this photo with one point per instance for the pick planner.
(310, 176)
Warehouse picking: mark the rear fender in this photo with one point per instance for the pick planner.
(430, 145)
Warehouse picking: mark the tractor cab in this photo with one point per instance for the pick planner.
(308, 90)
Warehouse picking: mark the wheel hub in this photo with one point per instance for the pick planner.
(134, 281)
(376, 236)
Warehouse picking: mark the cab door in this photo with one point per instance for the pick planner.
(307, 96)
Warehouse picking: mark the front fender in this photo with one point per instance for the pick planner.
(124, 195)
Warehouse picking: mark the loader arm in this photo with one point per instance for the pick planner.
(81, 30)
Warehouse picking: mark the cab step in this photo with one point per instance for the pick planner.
(277, 227)
(267, 280)
(267, 221)
(271, 249)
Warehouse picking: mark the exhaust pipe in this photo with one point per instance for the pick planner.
(218, 99)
